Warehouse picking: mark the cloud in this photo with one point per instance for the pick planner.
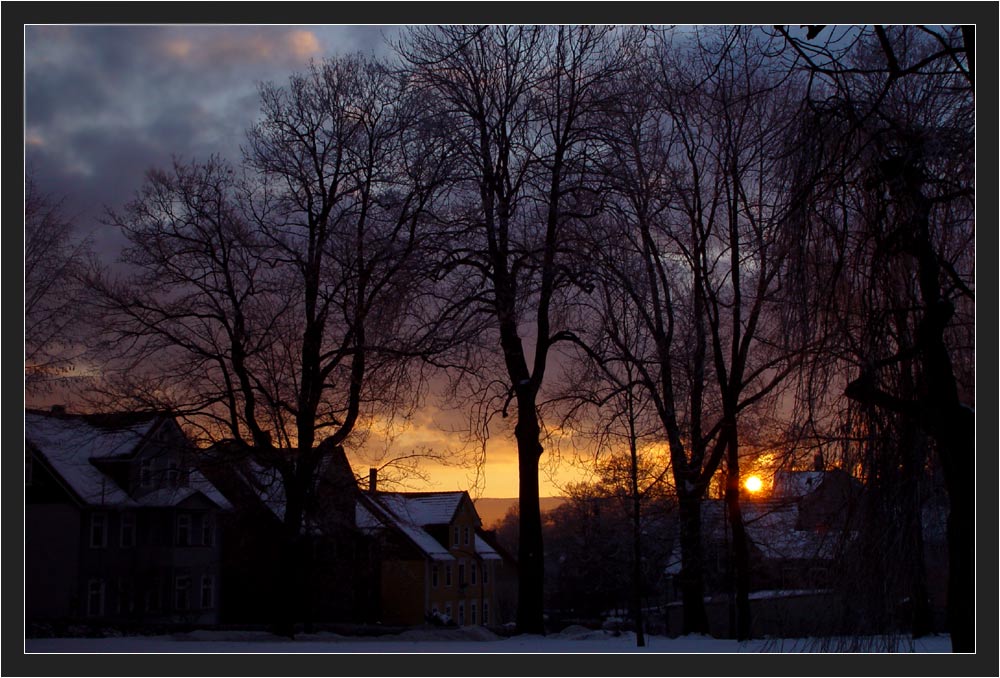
(239, 46)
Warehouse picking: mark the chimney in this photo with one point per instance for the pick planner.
(372, 479)
(818, 461)
(58, 410)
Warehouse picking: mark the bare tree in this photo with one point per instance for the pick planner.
(896, 107)
(55, 262)
(520, 102)
(274, 308)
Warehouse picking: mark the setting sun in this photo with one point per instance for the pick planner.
(753, 484)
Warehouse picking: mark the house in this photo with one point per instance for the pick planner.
(118, 527)
(337, 571)
(437, 563)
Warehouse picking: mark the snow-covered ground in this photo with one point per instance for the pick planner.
(475, 640)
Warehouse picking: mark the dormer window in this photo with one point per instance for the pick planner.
(465, 536)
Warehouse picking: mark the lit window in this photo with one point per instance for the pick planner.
(127, 530)
(183, 529)
(98, 530)
(182, 592)
(95, 597)
(207, 591)
(472, 573)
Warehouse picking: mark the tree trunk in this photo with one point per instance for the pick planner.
(695, 618)
(531, 571)
(640, 638)
(740, 545)
(961, 533)
(289, 569)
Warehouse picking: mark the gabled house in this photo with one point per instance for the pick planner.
(118, 526)
(795, 533)
(437, 563)
(337, 574)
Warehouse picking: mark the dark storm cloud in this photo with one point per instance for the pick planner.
(103, 104)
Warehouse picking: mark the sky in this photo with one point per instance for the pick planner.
(105, 104)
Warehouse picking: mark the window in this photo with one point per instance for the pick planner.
(146, 472)
(173, 475)
(455, 536)
(182, 592)
(461, 614)
(98, 530)
(472, 573)
(207, 591)
(125, 595)
(28, 468)
(486, 573)
(465, 536)
(183, 534)
(152, 596)
(447, 575)
(127, 537)
(472, 613)
(461, 573)
(486, 612)
(434, 576)
(207, 530)
(95, 597)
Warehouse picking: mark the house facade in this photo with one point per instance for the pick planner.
(337, 573)
(118, 527)
(436, 562)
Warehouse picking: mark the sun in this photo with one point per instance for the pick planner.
(753, 484)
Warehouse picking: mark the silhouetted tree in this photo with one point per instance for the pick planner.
(275, 307)
(520, 103)
(55, 264)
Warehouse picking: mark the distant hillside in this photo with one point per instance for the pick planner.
(492, 510)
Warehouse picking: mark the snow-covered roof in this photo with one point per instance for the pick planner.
(410, 514)
(795, 484)
(485, 551)
(70, 444)
(423, 508)
(771, 528)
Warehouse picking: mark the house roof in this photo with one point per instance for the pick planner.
(796, 484)
(412, 512)
(70, 444)
(771, 530)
